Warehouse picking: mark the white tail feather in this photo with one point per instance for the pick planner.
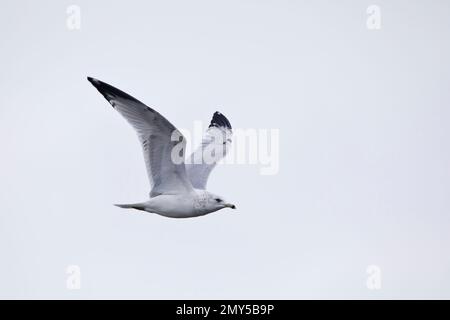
(137, 206)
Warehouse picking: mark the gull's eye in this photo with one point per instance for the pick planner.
(218, 200)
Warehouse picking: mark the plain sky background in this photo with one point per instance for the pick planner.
(364, 173)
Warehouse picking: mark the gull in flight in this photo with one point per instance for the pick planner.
(177, 188)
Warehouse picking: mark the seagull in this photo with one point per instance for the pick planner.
(178, 189)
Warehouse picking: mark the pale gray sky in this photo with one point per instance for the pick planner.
(364, 148)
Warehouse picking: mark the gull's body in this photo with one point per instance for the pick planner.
(195, 204)
(177, 189)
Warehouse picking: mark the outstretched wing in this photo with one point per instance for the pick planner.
(164, 158)
(214, 147)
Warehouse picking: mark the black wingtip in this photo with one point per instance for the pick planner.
(219, 120)
(95, 82)
(110, 92)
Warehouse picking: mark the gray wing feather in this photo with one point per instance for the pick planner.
(215, 145)
(155, 134)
